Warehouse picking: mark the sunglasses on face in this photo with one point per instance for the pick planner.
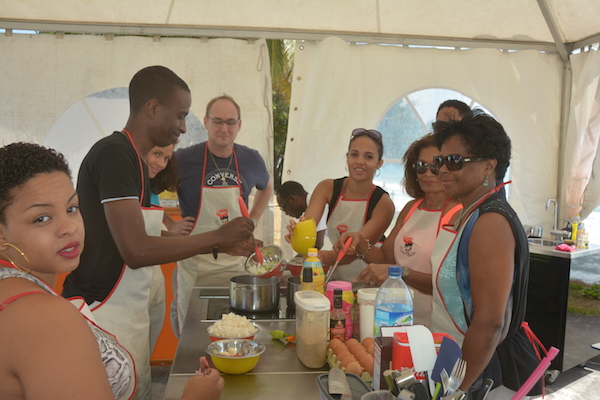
(421, 167)
(369, 132)
(454, 162)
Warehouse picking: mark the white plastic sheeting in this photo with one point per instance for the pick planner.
(46, 78)
(338, 87)
(387, 21)
(583, 136)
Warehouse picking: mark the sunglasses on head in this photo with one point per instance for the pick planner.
(454, 162)
(369, 132)
(421, 167)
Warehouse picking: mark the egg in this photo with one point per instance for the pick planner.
(371, 348)
(367, 361)
(334, 343)
(342, 354)
(367, 341)
(358, 351)
(350, 343)
(340, 348)
(347, 360)
(354, 368)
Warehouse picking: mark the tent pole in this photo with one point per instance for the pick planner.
(567, 85)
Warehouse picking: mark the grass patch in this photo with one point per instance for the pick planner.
(584, 299)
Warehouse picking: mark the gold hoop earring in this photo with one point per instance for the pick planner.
(14, 264)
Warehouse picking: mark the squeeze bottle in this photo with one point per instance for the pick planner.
(312, 261)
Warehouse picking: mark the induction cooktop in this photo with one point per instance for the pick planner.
(215, 303)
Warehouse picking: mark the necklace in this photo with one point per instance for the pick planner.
(223, 179)
(465, 212)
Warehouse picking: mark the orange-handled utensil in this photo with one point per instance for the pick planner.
(341, 255)
(246, 214)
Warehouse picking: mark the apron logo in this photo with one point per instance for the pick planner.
(342, 228)
(408, 243)
(223, 216)
(214, 178)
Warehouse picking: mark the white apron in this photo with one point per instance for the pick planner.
(413, 247)
(81, 305)
(444, 247)
(440, 319)
(348, 215)
(218, 205)
(124, 312)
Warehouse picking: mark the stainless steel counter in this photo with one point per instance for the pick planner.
(278, 374)
(549, 251)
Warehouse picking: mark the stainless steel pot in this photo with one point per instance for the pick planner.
(293, 285)
(252, 293)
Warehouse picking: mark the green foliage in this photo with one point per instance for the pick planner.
(583, 299)
(592, 292)
(281, 54)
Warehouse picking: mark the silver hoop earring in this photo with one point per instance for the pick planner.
(346, 167)
(378, 172)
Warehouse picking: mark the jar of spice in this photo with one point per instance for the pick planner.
(312, 327)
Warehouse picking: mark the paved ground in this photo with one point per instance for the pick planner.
(577, 383)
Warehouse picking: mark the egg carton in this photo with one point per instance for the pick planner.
(335, 363)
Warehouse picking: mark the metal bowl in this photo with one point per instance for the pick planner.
(271, 265)
(247, 354)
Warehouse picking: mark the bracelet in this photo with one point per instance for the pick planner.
(362, 256)
(215, 252)
(255, 222)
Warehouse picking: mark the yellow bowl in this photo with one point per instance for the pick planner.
(304, 236)
(247, 354)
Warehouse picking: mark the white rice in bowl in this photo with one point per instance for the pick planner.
(232, 326)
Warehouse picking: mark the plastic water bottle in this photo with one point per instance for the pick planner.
(393, 303)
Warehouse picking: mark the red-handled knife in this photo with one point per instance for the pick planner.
(341, 255)
(246, 214)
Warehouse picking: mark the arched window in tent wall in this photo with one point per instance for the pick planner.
(407, 120)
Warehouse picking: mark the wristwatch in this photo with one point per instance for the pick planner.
(405, 272)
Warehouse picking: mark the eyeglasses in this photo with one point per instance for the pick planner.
(219, 122)
(421, 167)
(454, 162)
(282, 207)
(369, 132)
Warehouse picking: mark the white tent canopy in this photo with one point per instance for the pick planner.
(546, 92)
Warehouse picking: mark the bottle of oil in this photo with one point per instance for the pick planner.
(313, 262)
(307, 279)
